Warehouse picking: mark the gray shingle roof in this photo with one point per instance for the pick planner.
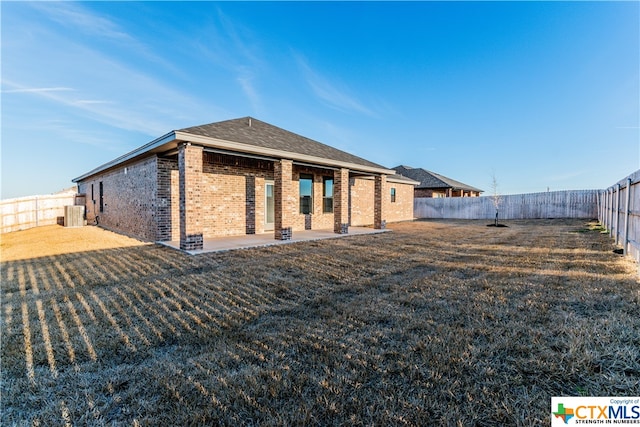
(430, 179)
(250, 131)
(260, 138)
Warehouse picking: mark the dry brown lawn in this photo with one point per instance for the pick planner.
(438, 323)
(56, 240)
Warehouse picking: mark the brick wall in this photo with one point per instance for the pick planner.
(233, 194)
(402, 209)
(129, 198)
(362, 192)
(361, 200)
(341, 201)
(284, 200)
(190, 161)
(319, 219)
(144, 201)
(168, 203)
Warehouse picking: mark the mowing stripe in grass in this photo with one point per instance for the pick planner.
(47, 339)
(65, 414)
(52, 274)
(228, 308)
(81, 329)
(201, 301)
(32, 279)
(123, 271)
(44, 277)
(21, 282)
(151, 308)
(8, 314)
(137, 312)
(28, 351)
(64, 332)
(179, 309)
(102, 269)
(195, 384)
(9, 272)
(126, 318)
(65, 275)
(123, 335)
(163, 306)
(86, 306)
(144, 265)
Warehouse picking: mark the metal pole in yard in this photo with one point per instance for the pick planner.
(627, 211)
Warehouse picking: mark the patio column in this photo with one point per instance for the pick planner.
(190, 185)
(341, 201)
(284, 199)
(379, 202)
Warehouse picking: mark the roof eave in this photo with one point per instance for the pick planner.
(159, 144)
(276, 154)
(171, 140)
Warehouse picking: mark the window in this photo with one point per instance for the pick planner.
(306, 193)
(101, 194)
(393, 195)
(327, 194)
(93, 197)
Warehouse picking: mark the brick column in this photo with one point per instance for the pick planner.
(190, 170)
(284, 199)
(341, 201)
(380, 202)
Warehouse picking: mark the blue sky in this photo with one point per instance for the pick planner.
(541, 94)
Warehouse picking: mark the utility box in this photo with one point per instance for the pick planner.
(73, 216)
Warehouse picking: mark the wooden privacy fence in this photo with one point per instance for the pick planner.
(555, 204)
(33, 211)
(619, 212)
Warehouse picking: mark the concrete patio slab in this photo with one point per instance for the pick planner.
(229, 243)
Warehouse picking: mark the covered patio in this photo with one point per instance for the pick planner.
(230, 243)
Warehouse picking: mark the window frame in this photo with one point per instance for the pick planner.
(325, 198)
(393, 194)
(101, 190)
(309, 177)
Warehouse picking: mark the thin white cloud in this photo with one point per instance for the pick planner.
(70, 14)
(249, 90)
(78, 18)
(92, 101)
(234, 47)
(35, 89)
(335, 95)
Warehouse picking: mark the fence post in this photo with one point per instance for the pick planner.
(627, 211)
(617, 236)
(605, 198)
(611, 212)
(37, 211)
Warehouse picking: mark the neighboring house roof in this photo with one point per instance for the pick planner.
(432, 180)
(253, 137)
